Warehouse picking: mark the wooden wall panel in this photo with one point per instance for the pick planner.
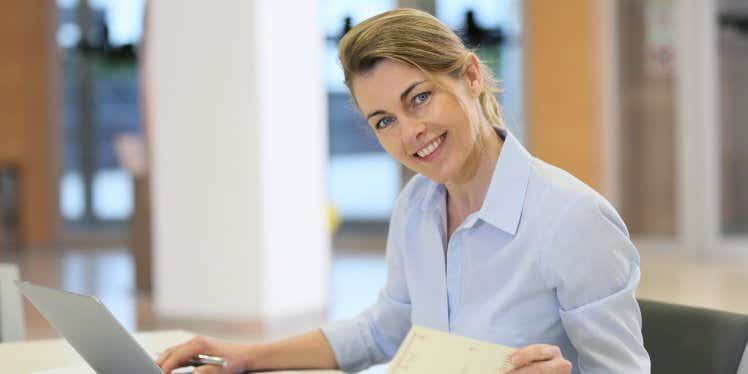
(29, 139)
(563, 90)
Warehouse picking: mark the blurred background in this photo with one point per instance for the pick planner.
(151, 151)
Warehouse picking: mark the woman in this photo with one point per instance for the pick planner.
(486, 241)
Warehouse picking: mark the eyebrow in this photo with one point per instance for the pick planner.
(402, 97)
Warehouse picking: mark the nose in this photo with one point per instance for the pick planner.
(412, 131)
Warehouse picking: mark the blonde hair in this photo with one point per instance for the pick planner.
(418, 39)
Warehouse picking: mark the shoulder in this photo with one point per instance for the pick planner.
(585, 238)
(563, 198)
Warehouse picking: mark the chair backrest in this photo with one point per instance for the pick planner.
(12, 322)
(682, 339)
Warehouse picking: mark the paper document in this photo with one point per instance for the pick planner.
(429, 351)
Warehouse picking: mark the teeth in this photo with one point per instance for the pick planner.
(430, 148)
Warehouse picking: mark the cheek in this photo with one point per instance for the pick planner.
(446, 110)
(439, 110)
(391, 144)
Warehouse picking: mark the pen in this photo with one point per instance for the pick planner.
(202, 359)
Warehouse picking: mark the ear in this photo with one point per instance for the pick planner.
(474, 75)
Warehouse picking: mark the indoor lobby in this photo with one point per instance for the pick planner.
(201, 168)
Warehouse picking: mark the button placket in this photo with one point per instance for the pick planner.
(454, 275)
(454, 267)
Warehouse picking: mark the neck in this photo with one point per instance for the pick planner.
(466, 193)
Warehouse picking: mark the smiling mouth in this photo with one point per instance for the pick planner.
(429, 149)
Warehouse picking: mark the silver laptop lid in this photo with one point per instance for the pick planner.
(91, 329)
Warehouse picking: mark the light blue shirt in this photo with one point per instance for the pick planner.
(545, 260)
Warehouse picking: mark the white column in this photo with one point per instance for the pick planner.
(698, 123)
(238, 155)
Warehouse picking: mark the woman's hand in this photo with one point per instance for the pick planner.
(239, 357)
(539, 359)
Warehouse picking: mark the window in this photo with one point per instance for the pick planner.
(100, 101)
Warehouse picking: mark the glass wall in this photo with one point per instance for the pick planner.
(647, 116)
(97, 48)
(733, 91)
(364, 181)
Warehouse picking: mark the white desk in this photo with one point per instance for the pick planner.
(32, 356)
(35, 355)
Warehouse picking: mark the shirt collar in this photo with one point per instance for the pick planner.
(433, 195)
(505, 198)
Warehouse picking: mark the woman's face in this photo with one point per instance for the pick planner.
(419, 122)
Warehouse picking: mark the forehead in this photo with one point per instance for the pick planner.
(380, 87)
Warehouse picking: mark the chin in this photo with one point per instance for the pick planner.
(438, 177)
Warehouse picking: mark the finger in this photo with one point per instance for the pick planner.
(163, 355)
(208, 369)
(533, 353)
(180, 354)
(556, 366)
(183, 353)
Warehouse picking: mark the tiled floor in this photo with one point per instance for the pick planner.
(108, 274)
(709, 281)
(719, 282)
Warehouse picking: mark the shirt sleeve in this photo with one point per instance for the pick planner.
(594, 268)
(374, 336)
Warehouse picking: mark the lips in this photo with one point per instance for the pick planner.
(429, 149)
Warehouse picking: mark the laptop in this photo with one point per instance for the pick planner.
(91, 329)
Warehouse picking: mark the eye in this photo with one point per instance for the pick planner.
(384, 122)
(421, 98)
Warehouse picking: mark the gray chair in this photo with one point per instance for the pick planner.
(12, 322)
(683, 340)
